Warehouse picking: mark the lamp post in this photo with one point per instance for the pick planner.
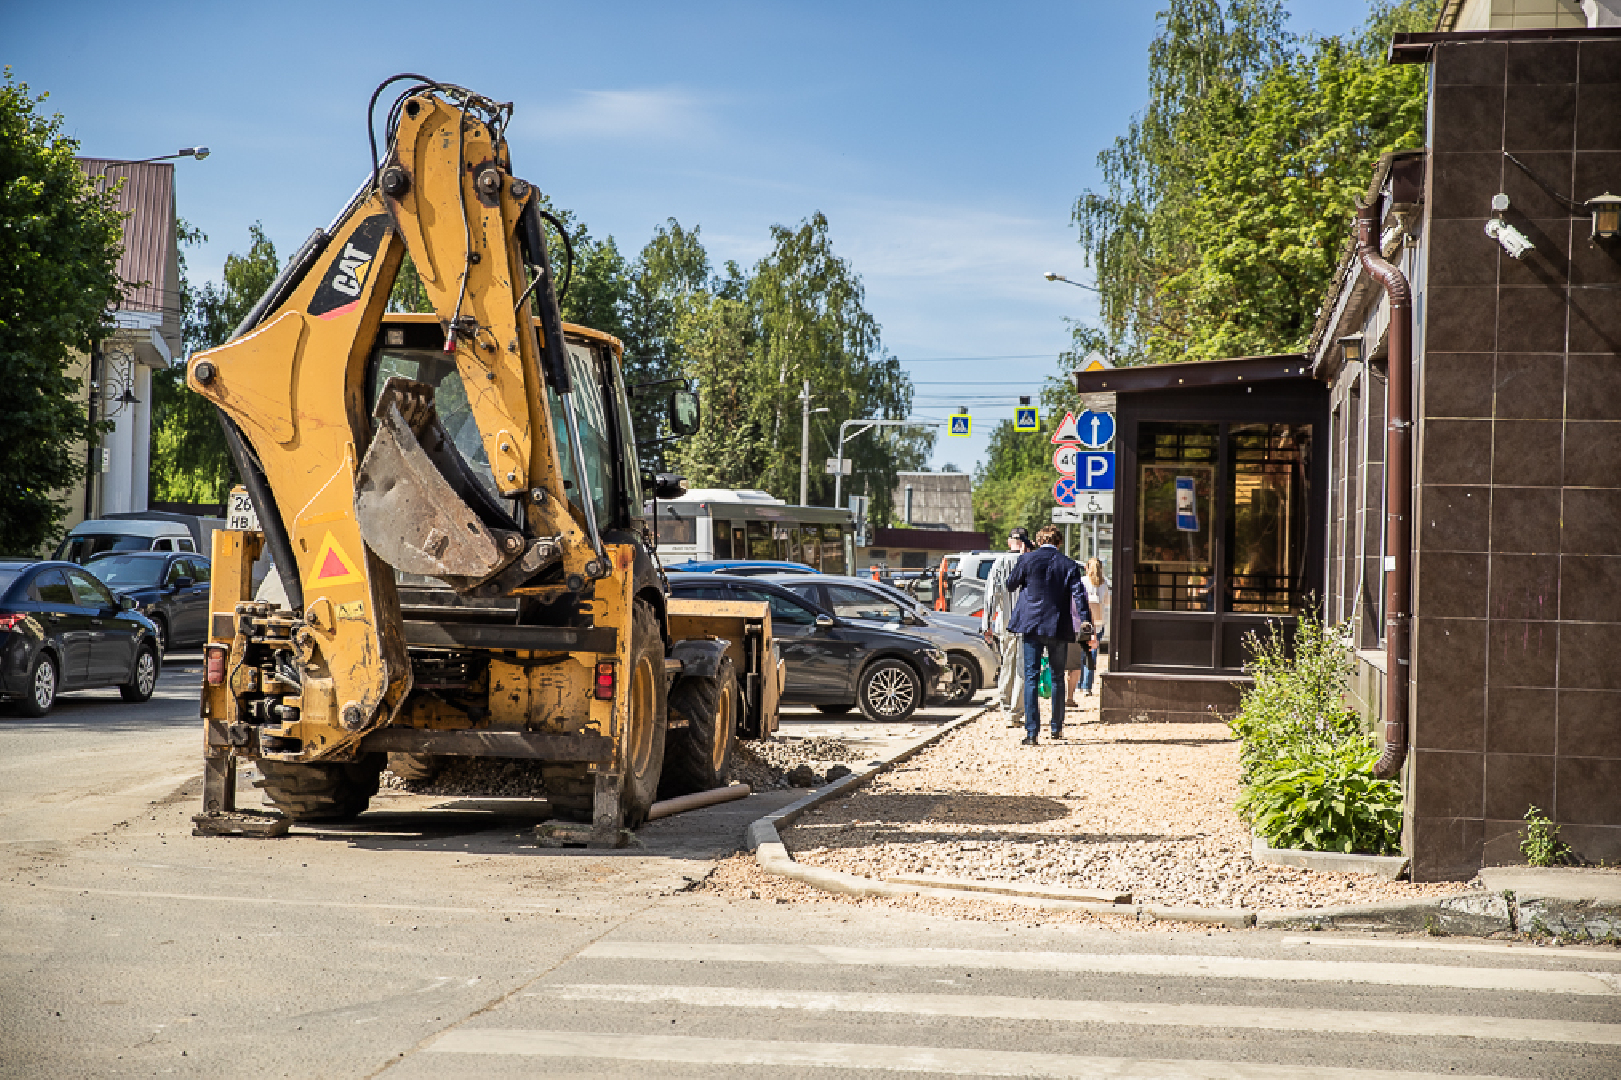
(198, 152)
(1053, 276)
(804, 442)
(838, 473)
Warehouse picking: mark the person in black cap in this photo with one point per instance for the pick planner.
(999, 601)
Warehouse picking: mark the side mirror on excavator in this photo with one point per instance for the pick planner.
(685, 416)
(669, 486)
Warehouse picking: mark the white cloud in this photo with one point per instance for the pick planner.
(617, 115)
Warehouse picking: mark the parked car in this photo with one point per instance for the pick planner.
(61, 629)
(974, 664)
(169, 588)
(832, 663)
(742, 567)
(91, 538)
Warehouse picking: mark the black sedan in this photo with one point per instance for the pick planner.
(168, 587)
(61, 629)
(833, 663)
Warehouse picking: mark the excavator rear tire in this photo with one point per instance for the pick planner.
(310, 791)
(641, 753)
(696, 757)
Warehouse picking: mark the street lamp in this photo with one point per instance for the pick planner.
(838, 473)
(1052, 276)
(198, 152)
(804, 442)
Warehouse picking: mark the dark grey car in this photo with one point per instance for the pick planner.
(168, 587)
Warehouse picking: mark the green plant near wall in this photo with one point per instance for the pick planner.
(1324, 798)
(1541, 845)
(1298, 697)
(1306, 765)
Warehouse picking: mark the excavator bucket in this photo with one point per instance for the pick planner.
(409, 512)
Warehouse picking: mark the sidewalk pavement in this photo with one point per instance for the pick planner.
(1566, 902)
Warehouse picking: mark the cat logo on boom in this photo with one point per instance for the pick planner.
(346, 275)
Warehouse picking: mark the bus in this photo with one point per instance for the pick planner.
(721, 523)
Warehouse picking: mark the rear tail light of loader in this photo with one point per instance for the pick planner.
(605, 682)
(214, 664)
(9, 622)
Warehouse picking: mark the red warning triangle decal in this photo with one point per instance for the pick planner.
(332, 566)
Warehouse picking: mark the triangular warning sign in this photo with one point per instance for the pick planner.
(1096, 362)
(1066, 431)
(332, 566)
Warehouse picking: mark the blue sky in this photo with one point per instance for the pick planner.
(945, 141)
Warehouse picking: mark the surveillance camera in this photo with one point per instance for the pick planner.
(1513, 240)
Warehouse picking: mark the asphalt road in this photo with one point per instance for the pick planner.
(432, 939)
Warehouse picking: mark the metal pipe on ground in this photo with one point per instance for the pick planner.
(697, 801)
(1398, 487)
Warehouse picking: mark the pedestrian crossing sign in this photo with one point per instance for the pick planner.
(1025, 418)
(961, 424)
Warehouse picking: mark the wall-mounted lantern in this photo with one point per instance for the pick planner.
(1606, 210)
(1351, 348)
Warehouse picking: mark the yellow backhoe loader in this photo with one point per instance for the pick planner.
(454, 507)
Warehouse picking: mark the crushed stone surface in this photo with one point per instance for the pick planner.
(763, 765)
(1144, 808)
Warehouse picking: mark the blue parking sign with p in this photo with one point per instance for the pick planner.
(1094, 470)
(961, 424)
(1025, 418)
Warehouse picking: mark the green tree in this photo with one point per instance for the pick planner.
(1225, 205)
(62, 239)
(811, 322)
(189, 461)
(663, 285)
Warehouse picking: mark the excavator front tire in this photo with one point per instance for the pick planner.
(312, 791)
(696, 757)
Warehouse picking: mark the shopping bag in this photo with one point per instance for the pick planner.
(1045, 685)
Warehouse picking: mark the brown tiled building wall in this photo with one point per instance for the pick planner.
(1517, 630)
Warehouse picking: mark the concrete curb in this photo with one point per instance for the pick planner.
(1389, 867)
(1474, 914)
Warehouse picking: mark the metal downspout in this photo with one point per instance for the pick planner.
(1398, 488)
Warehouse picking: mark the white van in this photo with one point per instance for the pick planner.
(123, 534)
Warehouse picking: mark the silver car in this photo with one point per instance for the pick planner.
(974, 664)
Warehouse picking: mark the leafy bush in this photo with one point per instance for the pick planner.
(1326, 799)
(1306, 765)
(1541, 845)
(1299, 693)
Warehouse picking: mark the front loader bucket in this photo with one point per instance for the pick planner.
(411, 516)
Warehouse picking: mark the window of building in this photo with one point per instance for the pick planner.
(1176, 480)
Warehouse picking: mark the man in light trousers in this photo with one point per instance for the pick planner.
(999, 601)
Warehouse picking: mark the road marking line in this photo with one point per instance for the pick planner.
(1541, 952)
(1521, 980)
(921, 1059)
(271, 900)
(999, 1007)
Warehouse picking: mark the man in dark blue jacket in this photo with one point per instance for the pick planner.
(1049, 580)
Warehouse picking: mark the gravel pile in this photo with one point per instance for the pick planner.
(476, 776)
(1142, 808)
(787, 762)
(765, 766)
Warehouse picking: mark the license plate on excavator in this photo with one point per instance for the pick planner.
(240, 515)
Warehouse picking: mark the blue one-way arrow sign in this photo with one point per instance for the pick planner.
(1095, 429)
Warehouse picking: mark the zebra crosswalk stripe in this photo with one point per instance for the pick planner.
(919, 1059)
(1104, 1012)
(1506, 980)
